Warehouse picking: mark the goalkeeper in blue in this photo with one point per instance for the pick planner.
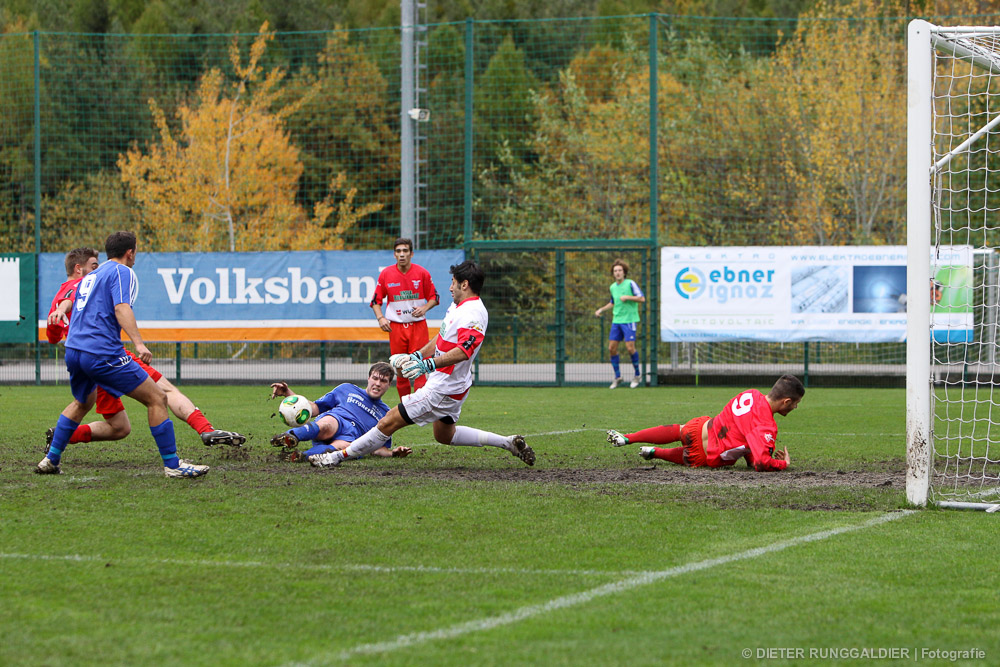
(447, 362)
(339, 417)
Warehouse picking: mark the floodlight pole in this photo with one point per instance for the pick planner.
(407, 160)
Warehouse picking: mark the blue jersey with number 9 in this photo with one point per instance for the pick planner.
(93, 326)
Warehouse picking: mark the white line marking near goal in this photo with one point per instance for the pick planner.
(644, 579)
(381, 569)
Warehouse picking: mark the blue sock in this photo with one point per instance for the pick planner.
(614, 365)
(64, 431)
(306, 431)
(318, 448)
(635, 363)
(163, 434)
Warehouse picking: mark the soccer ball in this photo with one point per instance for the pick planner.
(295, 410)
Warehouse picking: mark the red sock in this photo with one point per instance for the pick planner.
(674, 454)
(198, 422)
(81, 434)
(658, 435)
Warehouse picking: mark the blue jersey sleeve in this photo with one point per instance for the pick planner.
(635, 289)
(331, 399)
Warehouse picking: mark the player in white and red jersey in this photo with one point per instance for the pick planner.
(744, 429)
(447, 361)
(116, 424)
(409, 293)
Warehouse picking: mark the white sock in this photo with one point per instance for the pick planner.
(366, 444)
(473, 437)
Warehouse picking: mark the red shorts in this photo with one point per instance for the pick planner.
(107, 404)
(694, 448)
(407, 337)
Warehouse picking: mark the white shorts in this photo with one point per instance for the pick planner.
(425, 407)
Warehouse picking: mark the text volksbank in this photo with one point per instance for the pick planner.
(234, 286)
(327, 285)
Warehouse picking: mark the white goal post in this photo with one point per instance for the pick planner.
(953, 201)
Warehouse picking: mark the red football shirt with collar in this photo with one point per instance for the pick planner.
(744, 428)
(56, 332)
(404, 292)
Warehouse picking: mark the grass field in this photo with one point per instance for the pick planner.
(461, 556)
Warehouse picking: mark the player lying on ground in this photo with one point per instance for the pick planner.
(102, 309)
(116, 425)
(449, 373)
(744, 429)
(340, 417)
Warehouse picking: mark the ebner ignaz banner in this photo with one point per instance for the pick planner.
(259, 296)
(806, 293)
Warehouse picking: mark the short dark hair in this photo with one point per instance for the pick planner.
(118, 244)
(787, 386)
(78, 256)
(402, 241)
(621, 263)
(382, 369)
(469, 270)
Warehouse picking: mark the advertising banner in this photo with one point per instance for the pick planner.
(806, 293)
(260, 296)
(17, 298)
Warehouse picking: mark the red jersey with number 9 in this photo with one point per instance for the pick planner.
(744, 428)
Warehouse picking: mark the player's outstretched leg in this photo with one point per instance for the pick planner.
(220, 437)
(520, 449)
(616, 438)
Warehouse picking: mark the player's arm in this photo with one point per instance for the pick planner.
(431, 296)
(60, 316)
(126, 320)
(764, 459)
(397, 452)
(376, 305)
(600, 311)
(636, 294)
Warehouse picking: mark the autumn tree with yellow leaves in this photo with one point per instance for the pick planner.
(228, 179)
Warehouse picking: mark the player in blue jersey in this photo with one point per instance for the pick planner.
(95, 356)
(340, 417)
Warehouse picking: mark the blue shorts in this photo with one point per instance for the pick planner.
(347, 430)
(621, 331)
(115, 375)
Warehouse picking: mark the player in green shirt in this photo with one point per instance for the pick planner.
(625, 299)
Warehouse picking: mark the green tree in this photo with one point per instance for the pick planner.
(229, 180)
(344, 124)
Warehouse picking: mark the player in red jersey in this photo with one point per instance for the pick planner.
(744, 429)
(116, 425)
(409, 293)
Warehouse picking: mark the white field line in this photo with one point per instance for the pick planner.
(381, 569)
(574, 599)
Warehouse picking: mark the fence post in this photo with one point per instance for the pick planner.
(653, 276)
(322, 362)
(467, 170)
(38, 191)
(177, 363)
(560, 317)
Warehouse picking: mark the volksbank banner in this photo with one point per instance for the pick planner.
(805, 293)
(259, 296)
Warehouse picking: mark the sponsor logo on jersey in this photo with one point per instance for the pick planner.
(475, 326)
(393, 284)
